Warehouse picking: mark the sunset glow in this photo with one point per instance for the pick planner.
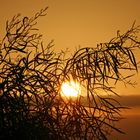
(70, 89)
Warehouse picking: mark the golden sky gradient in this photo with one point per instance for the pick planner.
(78, 22)
(82, 22)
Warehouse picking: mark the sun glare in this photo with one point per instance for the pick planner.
(70, 89)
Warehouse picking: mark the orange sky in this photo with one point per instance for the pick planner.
(78, 22)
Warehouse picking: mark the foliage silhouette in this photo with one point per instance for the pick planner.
(31, 75)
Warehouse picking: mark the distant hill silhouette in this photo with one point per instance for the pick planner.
(129, 100)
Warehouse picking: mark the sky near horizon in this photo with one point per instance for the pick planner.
(74, 23)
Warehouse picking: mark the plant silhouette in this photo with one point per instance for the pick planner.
(31, 75)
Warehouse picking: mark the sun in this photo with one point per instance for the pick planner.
(70, 89)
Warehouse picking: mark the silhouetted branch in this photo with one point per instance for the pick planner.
(31, 76)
